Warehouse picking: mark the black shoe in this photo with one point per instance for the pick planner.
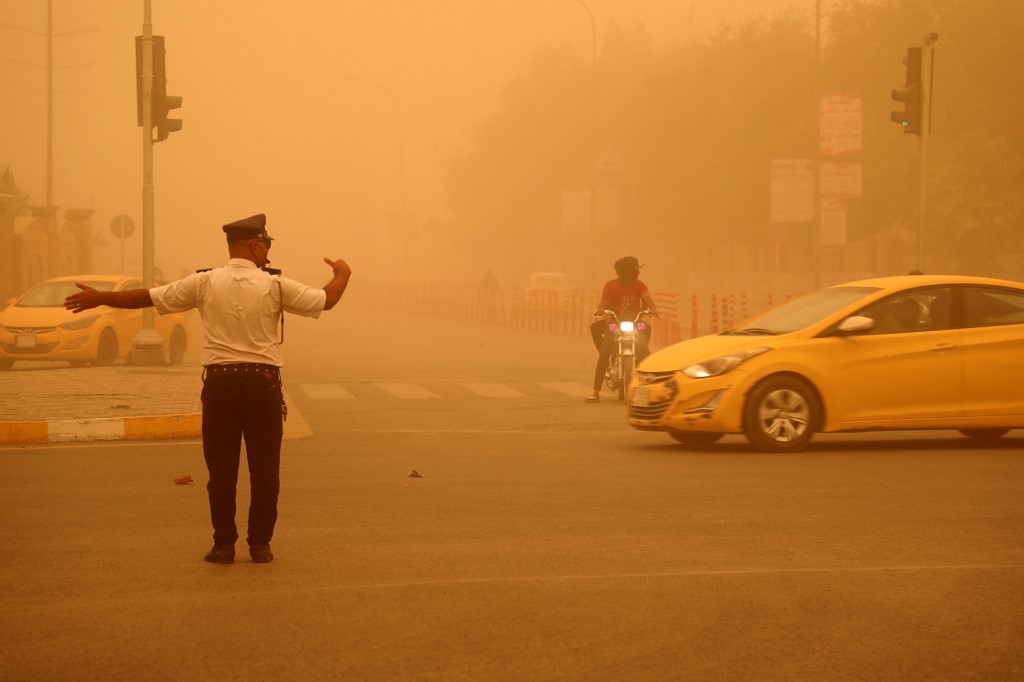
(221, 554)
(261, 554)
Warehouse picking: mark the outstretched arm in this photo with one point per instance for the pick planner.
(90, 298)
(336, 287)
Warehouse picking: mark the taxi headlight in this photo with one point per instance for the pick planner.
(79, 323)
(722, 364)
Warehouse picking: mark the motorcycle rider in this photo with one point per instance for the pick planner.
(626, 295)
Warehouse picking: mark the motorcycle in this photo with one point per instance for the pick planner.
(623, 360)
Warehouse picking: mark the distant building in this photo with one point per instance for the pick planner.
(38, 242)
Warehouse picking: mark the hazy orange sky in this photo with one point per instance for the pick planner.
(291, 109)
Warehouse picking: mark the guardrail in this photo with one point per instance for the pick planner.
(567, 312)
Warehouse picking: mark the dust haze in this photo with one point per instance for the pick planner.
(432, 141)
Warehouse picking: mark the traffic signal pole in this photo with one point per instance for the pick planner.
(927, 81)
(916, 119)
(147, 345)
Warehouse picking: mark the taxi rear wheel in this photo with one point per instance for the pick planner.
(107, 351)
(781, 415)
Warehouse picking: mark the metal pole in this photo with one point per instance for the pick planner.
(927, 67)
(49, 105)
(593, 128)
(816, 195)
(147, 149)
(147, 345)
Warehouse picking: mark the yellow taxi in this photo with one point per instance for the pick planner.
(36, 326)
(892, 353)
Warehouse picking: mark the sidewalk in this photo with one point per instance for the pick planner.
(51, 402)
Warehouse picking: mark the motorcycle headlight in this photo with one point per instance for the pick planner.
(79, 322)
(626, 326)
(722, 364)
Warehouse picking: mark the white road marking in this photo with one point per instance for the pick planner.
(494, 391)
(568, 388)
(408, 391)
(326, 392)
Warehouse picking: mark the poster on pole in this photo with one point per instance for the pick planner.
(792, 197)
(841, 179)
(841, 124)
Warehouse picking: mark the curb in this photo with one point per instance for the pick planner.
(128, 428)
(118, 428)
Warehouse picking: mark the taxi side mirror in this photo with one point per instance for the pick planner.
(855, 324)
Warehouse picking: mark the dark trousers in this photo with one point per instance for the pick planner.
(237, 404)
(604, 340)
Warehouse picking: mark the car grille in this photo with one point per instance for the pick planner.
(654, 411)
(654, 377)
(650, 411)
(29, 330)
(11, 349)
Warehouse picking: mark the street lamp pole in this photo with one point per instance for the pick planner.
(593, 123)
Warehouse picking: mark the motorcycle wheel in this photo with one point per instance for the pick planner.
(611, 375)
(627, 372)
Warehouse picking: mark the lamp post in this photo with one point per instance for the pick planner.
(593, 124)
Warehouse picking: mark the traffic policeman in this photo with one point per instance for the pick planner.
(241, 306)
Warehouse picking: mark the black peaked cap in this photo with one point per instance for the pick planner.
(253, 227)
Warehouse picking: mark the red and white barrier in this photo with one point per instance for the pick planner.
(567, 312)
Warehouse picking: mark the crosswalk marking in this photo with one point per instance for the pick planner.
(567, 388)
(415, 391)
(411, 391)
(326, 392)
(494, 391)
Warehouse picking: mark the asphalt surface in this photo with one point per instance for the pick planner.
(546, 541)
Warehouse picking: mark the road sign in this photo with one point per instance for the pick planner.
(841, 125)
(122, 227)
(792, 195)
(841, 179)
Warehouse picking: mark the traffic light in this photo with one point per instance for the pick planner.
(162, 102)
(910, 95)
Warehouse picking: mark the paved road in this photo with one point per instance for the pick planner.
(546, 541)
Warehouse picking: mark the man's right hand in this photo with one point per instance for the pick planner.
(339, 266)
(336, 287)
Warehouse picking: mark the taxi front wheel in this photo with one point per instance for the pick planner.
(107, 352)
(781, 415)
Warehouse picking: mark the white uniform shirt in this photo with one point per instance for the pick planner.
(241, 309)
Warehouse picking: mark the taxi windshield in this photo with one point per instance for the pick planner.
(807, 310)
(52, 294)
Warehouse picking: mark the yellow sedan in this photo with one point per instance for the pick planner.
(36, 326)
(893, 353)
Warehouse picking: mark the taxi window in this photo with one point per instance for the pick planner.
(992, 307)
(918, 310)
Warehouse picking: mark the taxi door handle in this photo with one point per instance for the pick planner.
(943, 347)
